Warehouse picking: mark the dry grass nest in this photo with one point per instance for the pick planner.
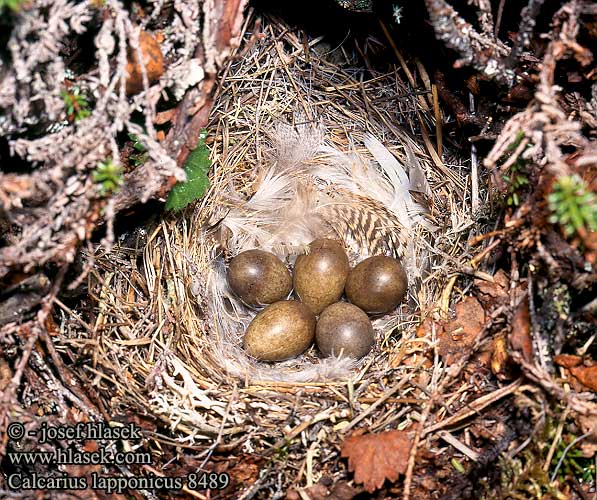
(153, 340)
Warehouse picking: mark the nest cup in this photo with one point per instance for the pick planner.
(304, 190)
(298, 154)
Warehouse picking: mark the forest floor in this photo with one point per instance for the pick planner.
(489, 391)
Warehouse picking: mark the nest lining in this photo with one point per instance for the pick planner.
(154, 344)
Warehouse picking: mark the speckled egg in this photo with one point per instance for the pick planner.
(259, 277)
(377, 284)
(344, 330)
(282, 330)
(320, 276)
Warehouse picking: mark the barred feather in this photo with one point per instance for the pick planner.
(364, 222)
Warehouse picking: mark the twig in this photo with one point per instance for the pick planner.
(461, 447)
(481, 52)
(579, 402)
(474, 164)
(438, 121)
(451, 374)
(485, 17)
(556, 439)
(528, 16)
(498, 21)
(475, 407)
(389, 393)
(408, 476)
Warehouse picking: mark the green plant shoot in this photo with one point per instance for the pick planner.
(109, 176)
(76, 104)
(196, 168)
(13, 5)
(457, 465)
(572, 205)
(140, 156)
(516, 180)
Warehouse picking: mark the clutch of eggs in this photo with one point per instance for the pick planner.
(286, 328)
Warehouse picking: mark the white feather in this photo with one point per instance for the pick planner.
(402, 204)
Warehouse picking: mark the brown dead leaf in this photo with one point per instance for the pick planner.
(90, 446)
(5, 374)
(567, 360)
(144, 421)
(315, 492)
(586, 375)
(490, 293)
(425, 328)
(417, 355)
(245, 472)
(162, 117)
(340, 491)
(461, 332)
(159, 37)
(481, 360)
(376, 457)
(75, 416)
(520, 335)
(588, 424)
(343, 491)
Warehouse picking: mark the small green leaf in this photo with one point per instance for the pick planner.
(457, 465)
(137, 144)
(196, 167)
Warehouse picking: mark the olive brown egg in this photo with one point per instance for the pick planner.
(344, 330)
(377, 284)
(282, 330)
(259, 277)
(320, 275)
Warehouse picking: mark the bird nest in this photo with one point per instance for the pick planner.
(294, 120)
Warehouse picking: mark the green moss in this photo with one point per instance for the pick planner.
(516, 177)
(573, 463)
(523, 477)
(561, 301)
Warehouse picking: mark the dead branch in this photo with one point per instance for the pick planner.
(480, 51)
